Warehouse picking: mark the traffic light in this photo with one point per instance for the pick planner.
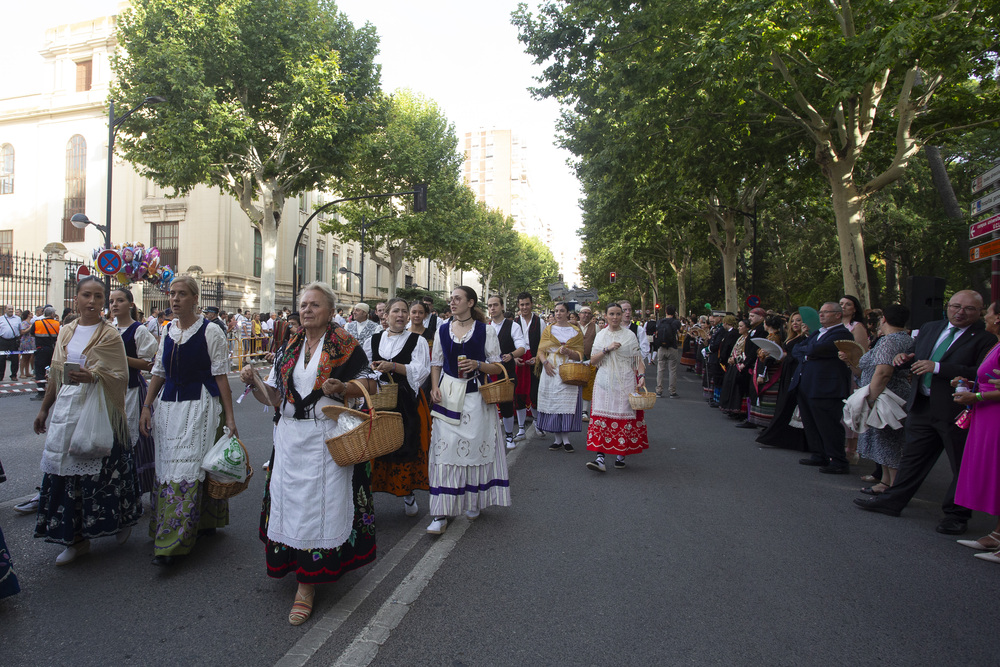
(613, 277)
(657, 306)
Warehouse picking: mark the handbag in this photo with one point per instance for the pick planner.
(92, 438)
(964, 418)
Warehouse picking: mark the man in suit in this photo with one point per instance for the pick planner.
(944, 350)
(823, 384)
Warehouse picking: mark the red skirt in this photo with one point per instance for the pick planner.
(614, 435)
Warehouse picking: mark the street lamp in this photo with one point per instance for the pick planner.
(344, 270)
(113, 123)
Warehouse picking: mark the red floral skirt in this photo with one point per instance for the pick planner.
(615, 435)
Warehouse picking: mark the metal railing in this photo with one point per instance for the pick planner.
(24, 280)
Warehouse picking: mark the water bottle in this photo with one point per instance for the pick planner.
(962, 387)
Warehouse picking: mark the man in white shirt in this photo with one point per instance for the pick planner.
(512, 346)
(10, 341)
(361, 327)
(267, 325)
(638, 330)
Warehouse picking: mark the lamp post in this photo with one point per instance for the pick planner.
(344, 270)
(419, 193)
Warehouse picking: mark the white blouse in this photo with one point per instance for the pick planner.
(392, 344)
(492, 345)
(215, 339)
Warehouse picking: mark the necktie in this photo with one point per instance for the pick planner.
(939, 351)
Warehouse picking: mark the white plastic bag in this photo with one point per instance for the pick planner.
(226, 461)
(92, 438)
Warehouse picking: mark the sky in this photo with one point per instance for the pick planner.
(462, 54)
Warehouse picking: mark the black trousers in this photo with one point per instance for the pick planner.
(9, 345)
(926, 437)
(823, 428)
(43, 357)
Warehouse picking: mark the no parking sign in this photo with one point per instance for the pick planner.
(753, 301)
(109, 262)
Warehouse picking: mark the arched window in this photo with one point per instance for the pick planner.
(6, 169)
(76, 186)
(258, 253)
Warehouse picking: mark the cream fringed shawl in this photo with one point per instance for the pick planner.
(106, 359)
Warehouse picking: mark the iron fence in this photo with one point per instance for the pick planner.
(212, 292)
(24, 280)
(70, 280)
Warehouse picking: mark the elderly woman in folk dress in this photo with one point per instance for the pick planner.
(318, 518)
(615, 428)
(405, 357)
(559, 404)
(468, 461)
(191, 367)
(81, 497)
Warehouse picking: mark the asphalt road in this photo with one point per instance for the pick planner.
(705, 550)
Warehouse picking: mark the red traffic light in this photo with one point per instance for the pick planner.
(613, 277)
(657, 306)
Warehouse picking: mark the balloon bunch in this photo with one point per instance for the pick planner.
(141, 264)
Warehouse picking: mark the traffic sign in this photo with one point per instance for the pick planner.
(984, 227)
(986, 179)
(984, 251)
(986, 203)
(753, 301)
(109, 262)
(82, 272)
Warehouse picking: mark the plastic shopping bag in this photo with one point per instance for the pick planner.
(92, 438)
(226, 461)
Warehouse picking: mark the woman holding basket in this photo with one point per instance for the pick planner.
(615, 428)
(559, 404)
(468, 462)
(190, 369)
(318, 518)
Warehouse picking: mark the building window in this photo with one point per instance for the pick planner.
(76, 187)
(350, 275)
(258, 253)
(6, 252)
(163, 236)
(301, 268)
(6, 169)
(319, 264)
(84, 75)
(335, 270)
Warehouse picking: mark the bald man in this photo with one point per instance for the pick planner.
(945, 349)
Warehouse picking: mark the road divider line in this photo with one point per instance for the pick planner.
(363, 649)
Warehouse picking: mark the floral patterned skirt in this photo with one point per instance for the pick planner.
(75, 507)
(323, 566)
(182, 509)
(615, 435)
(8, 580)
(402, 479)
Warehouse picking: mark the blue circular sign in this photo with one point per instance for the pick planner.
(753, 301)
(109, 262)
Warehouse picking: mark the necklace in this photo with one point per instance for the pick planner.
(463, 321)
(310, 348)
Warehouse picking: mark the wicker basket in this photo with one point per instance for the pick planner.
(500, 391)
(379, 433)
(643, 401)
(386, 397)
(223, 490)
(575, 373)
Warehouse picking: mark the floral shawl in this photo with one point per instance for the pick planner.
(341, 358)
(107, 361)
(550, 343)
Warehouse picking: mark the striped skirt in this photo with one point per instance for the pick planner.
(456, 488)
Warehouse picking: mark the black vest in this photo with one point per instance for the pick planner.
(406, 403)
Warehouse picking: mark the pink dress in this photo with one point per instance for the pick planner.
(979, 479)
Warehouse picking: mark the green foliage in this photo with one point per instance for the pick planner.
(529, 268)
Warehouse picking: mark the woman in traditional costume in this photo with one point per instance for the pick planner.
(317, 520)
(615, 428)
(736, 381)
(559, 404)
(784, 429)
(191, 367)
(84, 497)
(404, 356)
(468, 462)
(140, 350)
(766, 376)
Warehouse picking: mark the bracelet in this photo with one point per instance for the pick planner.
(479, 365)
(979, 397)
(147, 406)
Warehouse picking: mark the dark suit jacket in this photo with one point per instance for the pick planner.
(822, 374)
(961, 359)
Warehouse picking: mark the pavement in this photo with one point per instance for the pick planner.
(705, 550)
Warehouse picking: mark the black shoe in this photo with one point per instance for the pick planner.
(812, 462)
(746, 425)
(835, 469)
(165, 561)
(555, 446)
(876, 505)
(38, 397)
(568, 448)
(713, 404)
(675, 395)
(619, 463)
(950, 526)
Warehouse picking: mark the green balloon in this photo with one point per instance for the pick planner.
(708, 306)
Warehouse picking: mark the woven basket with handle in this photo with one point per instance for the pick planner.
(386, 397)
(500, 391)
(575, 373)
(379, 433)
(223, 490)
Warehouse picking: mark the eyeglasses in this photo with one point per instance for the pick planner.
(829, 312)
(969, 309)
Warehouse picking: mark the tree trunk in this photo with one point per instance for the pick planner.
(269, 246)
(977, 273)
(849, 212)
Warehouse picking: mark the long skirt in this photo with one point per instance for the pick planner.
(732, 398)
(402, 479)
(763, 403)
(75, 507)
(324, 566)
(145, 452)
(182, 510)
(8, 579)
(617, 435)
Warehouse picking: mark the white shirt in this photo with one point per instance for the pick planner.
(13, 323)
(215, 339)
(937, 364)
(390, 344)
(640, 333)
(267, 325)
(515, 333)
